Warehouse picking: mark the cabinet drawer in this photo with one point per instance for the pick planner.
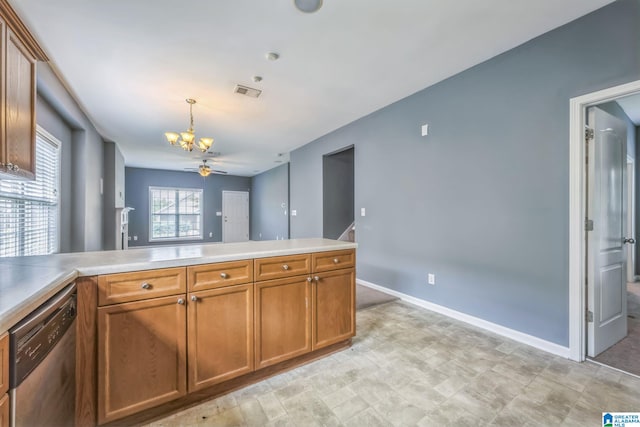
(139, 285)
(217, 275)
(282, 266)
(333, 260)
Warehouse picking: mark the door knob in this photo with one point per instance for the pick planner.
(629, 240)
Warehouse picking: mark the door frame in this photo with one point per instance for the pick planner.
(577, 211)
(631, 216)
(248, 211)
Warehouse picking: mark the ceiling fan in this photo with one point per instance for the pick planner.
(205, 170)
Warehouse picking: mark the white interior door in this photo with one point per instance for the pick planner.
(235, 216)
(631, 218)
(606, 248)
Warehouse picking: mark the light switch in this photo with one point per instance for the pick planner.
(425, 130)
(362, 212)
(218, 213)
(294, 212)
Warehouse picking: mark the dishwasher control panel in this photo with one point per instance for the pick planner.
(35, 336)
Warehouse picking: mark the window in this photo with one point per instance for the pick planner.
(29, 209)
(175, 213)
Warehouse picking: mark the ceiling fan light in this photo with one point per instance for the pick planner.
(204, 170)
(172, 137)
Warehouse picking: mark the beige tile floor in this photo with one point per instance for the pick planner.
(409, 366)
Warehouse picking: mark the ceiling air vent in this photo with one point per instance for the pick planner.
(248, 91)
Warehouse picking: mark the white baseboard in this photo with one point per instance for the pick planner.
(521, 337)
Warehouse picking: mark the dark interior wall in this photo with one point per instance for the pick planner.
(337, 193)
(482, 202)
(82, 163)
(269, 192)
(138, 181)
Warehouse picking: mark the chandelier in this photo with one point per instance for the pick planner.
(204, 169)
(186, 139)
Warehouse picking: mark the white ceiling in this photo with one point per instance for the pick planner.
(132, 63)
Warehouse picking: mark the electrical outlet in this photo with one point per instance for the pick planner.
(211, 234)
(431, 279)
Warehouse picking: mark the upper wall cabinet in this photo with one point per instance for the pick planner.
(18, 55)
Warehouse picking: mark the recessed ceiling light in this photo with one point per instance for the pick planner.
(272, 56)
(308, 6)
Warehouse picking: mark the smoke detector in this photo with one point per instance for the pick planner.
(248, 91)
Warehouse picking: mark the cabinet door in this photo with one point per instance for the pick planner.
(220, 325)
(20, 125)
(4, 363)
(334, 311)
(283, 320)
(4, 411)
(141, 355)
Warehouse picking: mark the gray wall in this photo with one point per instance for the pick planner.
(138, 181)
(337, 193)
(82, 168)
(269, 190)
(483, 201)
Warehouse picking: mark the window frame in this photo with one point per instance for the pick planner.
(48, 138)
(177, 215)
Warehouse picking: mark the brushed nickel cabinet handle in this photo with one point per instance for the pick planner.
(181, 301)
(309, 279)
(336, 260)
(145, 285)
(194, 298)
(316, 278)
(285, 267)
(224, 275)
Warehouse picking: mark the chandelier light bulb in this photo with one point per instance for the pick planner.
(186, 139)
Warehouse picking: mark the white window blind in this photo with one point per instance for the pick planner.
(175, 213)
(29, 209)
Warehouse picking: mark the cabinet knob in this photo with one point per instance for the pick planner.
(194, 298)
(181, 301)
(316, 278)
(285, 267)
(336, 260)
(309, 279)
(224, 275)
(145, 285)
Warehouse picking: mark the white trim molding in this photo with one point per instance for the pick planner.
(577, 236)
(518, 336)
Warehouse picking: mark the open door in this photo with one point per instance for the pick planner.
(606, 243)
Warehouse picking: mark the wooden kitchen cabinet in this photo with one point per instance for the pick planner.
(141, 285)
(283, 319)
(334, 299)
(220, 335)
(4, 363)
(18, 55)
(141, 355)
(4, 380)
(4, 411)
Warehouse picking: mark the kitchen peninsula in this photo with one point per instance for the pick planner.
(160, 328)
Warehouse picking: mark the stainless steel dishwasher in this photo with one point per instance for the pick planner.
(42, 364)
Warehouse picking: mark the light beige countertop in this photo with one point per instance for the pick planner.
(27, 282)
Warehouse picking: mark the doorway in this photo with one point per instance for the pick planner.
(235, 216)
(582, 264)
(338, 195)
